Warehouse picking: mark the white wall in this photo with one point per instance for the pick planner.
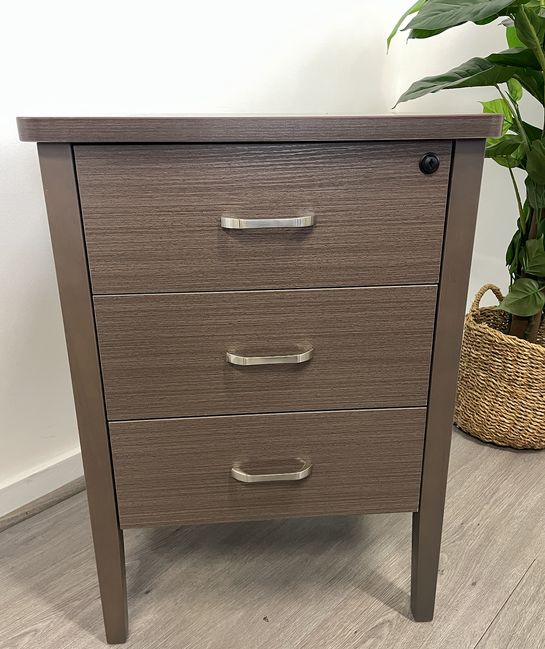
(66, 58)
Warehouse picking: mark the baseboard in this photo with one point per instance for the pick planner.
(41, 504)
(39, 481)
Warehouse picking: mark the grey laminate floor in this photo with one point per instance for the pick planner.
(332, 583)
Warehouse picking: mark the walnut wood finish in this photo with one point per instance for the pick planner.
(152, 345)
(257, 128)
(152, 215)
(177, 471)
(165, 355)
(59, 181)
(460, 228)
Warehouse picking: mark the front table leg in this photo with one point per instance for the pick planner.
(465, 182)
(110, 561)
(63, 211)
(426, 547)
(428, 520)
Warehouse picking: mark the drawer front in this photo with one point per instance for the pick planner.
(178, 471)
(166, 355)
(152, 215)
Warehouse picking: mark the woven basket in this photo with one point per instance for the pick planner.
(501, 383)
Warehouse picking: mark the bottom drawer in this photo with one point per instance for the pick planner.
(178, 471)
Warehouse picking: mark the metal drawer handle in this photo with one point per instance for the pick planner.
(242, 476)
(243, 224)
(234, 359)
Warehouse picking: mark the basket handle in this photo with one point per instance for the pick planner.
(482, 291)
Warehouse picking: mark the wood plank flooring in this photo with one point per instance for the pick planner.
(337, 582)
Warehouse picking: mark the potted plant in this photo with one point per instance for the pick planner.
(501, 389)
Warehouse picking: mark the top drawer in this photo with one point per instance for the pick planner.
(152, 215)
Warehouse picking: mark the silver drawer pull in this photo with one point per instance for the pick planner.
(243, 224)
(234, 359)
(242, 476)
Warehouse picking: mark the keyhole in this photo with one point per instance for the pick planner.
(429, 163)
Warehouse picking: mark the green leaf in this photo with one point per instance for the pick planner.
(511, 257)
(540, 225)
(416, 7)
(475, 72)
(536, 162)
(528, 72)
(530, 28)
(537, 5)
(533, 260)
(532, 81)
(532, 132)
(524, 299)
(535, 193)
(509, 162)
(515, 89)
(512, 39)
(502, 107)
(506, 147)
(486, 21)
(507, 151)
(518, 57)
(444, 14)
(425, 33)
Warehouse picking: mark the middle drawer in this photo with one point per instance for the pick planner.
(166, 355)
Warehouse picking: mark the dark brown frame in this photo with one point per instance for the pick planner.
(62, 202)
(61, 192)
(257, 129)
(463, 202)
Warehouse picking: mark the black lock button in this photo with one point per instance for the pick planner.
(429, 163)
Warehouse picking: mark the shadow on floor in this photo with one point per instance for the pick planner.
(270, 559)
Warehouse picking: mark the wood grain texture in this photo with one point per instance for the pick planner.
(335, 582)
(152, 215)
(172, 472)
(521, 622)
(165, 355)
(61, 197)
(256, 128)
(460, 229)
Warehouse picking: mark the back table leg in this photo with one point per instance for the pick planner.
(465, 183)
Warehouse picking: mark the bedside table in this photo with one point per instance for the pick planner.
(263, 317)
